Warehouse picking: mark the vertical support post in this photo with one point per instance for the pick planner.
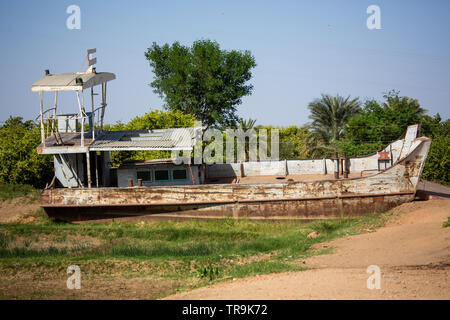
(42, 117)
(286, 171)
(241, 166)
(103, 104)
(105, 169)
(93, 115)
(83, 114)
(192, 174)
(54, 112)
(96, 169)
(336, 165)
(202, 173)
(88, 168)
(206, 171)
(345, 164)
(82, 117)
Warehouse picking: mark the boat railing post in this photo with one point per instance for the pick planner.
(42, 118)
(336, 165)
(391, 155)
(345, 164)
(286, 170)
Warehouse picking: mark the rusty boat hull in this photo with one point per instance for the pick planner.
(299, 200)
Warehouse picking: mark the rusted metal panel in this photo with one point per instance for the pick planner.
(302, 210)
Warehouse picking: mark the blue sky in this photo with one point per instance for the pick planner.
(302, 48)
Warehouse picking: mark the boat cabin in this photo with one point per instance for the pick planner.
(158, 172)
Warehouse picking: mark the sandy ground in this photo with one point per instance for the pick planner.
(17, 209)
(109, 288)
(412, 252)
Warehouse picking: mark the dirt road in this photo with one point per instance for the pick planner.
(412, 251)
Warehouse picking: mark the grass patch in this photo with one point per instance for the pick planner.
(190, 253)
(262, 267)
(446, 224)
(11, 191)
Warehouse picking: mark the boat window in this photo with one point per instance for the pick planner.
(179, 174)
(145, 175)
(161, 175)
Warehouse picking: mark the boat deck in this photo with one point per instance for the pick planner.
(281, 178)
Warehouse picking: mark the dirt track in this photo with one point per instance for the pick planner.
(412, 250)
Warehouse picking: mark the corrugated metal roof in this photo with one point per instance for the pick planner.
(67, 81)
(160, 139)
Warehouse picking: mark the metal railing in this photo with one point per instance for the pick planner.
(50, 122)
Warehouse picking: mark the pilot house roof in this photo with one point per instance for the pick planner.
(71, 81)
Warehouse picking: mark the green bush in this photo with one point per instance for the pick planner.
(19, 160)
(437, 166)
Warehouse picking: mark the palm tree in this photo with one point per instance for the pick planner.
(247, 124)
(329, 115)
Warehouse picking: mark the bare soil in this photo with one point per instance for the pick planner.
(103, 288)
(412, 251)
(17, 209)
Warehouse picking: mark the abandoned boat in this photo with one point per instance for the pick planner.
(85, 187)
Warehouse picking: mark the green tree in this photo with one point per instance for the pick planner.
(19, 160)
(437, 166)
(433, 126)
(329, 115)
(292, 142)
(380, 123)
(18, 122)
(157, 119)
(202, 80)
